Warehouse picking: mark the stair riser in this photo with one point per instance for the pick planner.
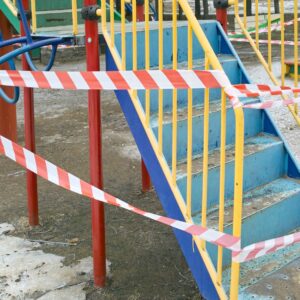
(253, 126)
(262, 160)
(277, 220)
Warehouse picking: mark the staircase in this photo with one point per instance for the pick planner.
(271, 199)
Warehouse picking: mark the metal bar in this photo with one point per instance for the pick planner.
(222, 182)
(256, 24)
(190, 129)
(238, 197)
(74, 17)
(160, 66)
(282, 38)
(31, 178)
(8, 115)
(296, 51)
(112, 22)
(174, 117)
(147, 59)
(34, 20)
(205, 155)
(269, 36)
(123, 34)
(98, 222)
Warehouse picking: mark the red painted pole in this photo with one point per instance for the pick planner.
(98, 218)
(221, 14)
(8, 115)
(31, 178)
(146, 180)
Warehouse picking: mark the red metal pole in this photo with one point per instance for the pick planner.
(32, 192)
(8, 115)
(98, 218)
(146, 180)
(221, 14)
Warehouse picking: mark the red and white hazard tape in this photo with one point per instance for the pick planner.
(260, 90)
(262, 248)
(116, 80)
(274, 27)
(60, 177)
(273, 42)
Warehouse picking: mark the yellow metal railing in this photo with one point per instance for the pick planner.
(268, 59)
(131, 53)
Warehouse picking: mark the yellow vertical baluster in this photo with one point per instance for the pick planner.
(205, 153)
(74, 17)
(33, 12)
(103, 15)
(296, 52)
(147, 58)
(238, 197)
(123, 34)
(269, 36)
(160, 66)
(282, 46)
(174, 123)
(222, 182)
(112, 22)
(245, 13)
(134, 41)
(256, 24)
(190, 128)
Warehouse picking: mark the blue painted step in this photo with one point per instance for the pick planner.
(259, 168)
(269, 211)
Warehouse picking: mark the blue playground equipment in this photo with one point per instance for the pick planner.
(28, 43)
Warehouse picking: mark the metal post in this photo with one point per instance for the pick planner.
(32, 193)
(8, 115)
(221, 12)
(98, 219)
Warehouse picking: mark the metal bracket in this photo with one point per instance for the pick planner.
(28, 15)
(221, 4)
(90, 12)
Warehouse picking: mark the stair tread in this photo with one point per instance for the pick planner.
(252, 145)
(257, 199)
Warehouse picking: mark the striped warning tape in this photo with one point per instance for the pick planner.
(142, 80)
(274, 27)
(116, 80)
(60, 177)
(262, 248)
(260, 90)
(273, 42)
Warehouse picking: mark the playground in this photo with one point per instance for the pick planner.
(215, 122)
